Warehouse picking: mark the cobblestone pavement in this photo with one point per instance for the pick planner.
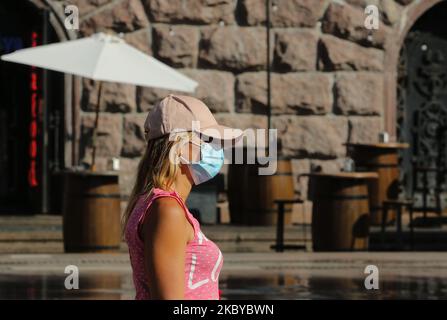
(32, 265)
(291, 275)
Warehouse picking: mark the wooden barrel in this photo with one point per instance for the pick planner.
(384, 161)
(91, 212)
(340, 211)
(251, 196)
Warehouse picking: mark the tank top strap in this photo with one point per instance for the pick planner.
(159, 193)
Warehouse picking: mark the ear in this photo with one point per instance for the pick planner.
(190, 152)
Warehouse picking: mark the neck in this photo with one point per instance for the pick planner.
(182, 187)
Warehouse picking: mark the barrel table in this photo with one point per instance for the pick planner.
(383, 159)
(340, 210)
(91, 211)
(252, 196)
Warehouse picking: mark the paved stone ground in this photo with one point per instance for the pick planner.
(32, 265)
(296, 275)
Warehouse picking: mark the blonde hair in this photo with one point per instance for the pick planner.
(156, 169)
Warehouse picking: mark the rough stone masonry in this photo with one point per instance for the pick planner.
(327, 75)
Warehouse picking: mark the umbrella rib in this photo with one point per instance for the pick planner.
(102, 50)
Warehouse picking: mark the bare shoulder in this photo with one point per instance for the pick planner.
(167, 216)
(167, 208)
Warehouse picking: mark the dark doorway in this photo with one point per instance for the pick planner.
(21, 114)
(422, 109)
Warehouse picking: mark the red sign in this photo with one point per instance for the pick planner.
(33, 128)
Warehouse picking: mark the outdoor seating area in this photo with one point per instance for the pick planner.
(297, 148)
(367, 194)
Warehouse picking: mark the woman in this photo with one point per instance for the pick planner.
(170, 256)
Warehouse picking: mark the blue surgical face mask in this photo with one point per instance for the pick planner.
(211, 161)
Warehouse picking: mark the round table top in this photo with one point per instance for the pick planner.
(381, 145)
(345, 175)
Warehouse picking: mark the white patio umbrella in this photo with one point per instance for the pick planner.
(103, 57)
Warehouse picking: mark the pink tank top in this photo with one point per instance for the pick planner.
(203, 260)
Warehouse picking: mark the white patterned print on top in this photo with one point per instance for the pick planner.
(214, 277)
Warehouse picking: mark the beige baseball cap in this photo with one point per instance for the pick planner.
(176, 113)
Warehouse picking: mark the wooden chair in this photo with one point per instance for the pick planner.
(398, 205)
(280, 246)
(401, 204)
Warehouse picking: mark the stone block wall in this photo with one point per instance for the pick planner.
(327, 71)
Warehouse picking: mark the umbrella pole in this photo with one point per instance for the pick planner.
(95, 128)
(269, 86)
